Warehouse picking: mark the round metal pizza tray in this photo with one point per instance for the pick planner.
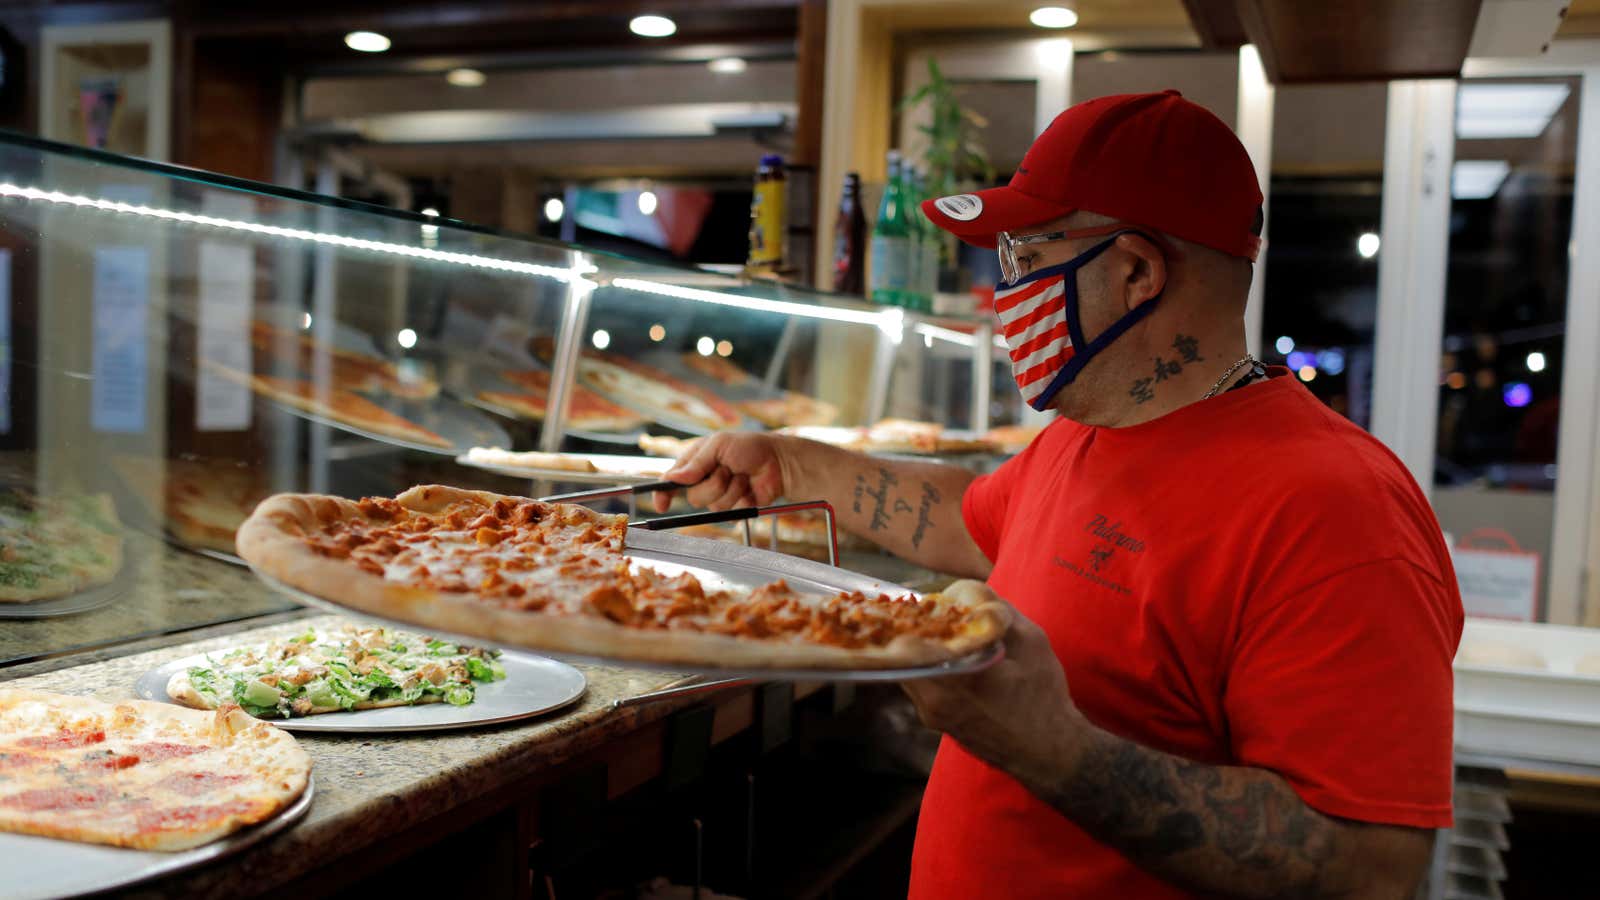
(464, 428)
(719, 566)
(82, 601)
(39, 867)
(600, 461)
(533, 686)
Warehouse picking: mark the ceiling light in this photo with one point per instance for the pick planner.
(1507, 110)
(465, 77)
(1477, 179)
(706, 346)
(647, 202)
(658, 332)
(727, 65)
(366, 41)
(1285, 344)
(554, 209)
(601, 339)
(1367, 245)
(1536, 361)
(653, 26)
(1053, 17)
(406, 338)
(724, 348)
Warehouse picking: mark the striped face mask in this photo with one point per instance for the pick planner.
(1040, 322)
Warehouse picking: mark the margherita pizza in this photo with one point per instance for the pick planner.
(346, 407)
(553, 577)
(138, 774)
(586, 410)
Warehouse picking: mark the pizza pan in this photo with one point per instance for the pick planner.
(82, 601)
(752, 389)
(533, 686)
(718, 565)
(663, 417)
(39, 867)
(464, 428)
(615, 469)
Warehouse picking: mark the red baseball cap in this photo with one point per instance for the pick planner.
(1155, 160)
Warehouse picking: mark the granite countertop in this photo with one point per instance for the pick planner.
(369, 786)
(161, 589)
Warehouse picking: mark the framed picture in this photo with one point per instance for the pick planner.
(108, 86)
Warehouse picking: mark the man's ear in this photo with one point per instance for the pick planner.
(1146, 277)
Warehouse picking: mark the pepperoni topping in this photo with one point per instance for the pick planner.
(160, 751)
(62, 740)
(186, 817)
(193, 784)
(41, 799)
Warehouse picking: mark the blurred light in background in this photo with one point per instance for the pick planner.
(1367, 245)
(1517, 394)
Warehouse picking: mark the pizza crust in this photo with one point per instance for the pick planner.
(271, 542)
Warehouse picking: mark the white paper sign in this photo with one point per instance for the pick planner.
(1497, 584)
(121, 338)
(227, 271)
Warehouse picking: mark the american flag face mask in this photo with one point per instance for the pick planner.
(1040, 323)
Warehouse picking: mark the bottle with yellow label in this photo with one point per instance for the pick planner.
(767, 221)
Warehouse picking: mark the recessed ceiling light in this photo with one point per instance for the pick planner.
(727, 65)
(1507, 110)
(1053, 17)
(465, 77)
(1477, 179)
(366, 41)
(653, 26)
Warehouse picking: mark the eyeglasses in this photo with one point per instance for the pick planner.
(1014, 266)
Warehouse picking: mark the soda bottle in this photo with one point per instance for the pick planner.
(849, 239)
(891, 241)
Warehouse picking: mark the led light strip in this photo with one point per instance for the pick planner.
(888, 319)
(940, 333)
(574, 275)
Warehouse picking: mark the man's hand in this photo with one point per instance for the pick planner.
(911, 509)
(729, 470)
(1228, 830)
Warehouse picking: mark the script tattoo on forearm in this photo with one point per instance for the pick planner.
(1240, 828)
(930, 498)
(880, 498)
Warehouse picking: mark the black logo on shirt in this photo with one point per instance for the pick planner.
(1111, 539)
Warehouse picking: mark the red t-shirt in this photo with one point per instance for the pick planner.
(1250, 580)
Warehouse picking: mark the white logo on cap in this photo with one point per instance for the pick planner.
(961, 207)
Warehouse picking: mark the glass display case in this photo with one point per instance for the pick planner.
(178, 345)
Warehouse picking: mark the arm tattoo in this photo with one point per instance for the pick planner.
(1204, 827)
(880, 497)
(930, 499)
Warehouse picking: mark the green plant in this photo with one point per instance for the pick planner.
(954, 153)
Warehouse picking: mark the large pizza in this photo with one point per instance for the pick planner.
(201, 501)
(56, 544)
(138, 774)
(656, 393)
(786, 408)
(586, 410)
(343, 406)
(554, 577)
(350, 370)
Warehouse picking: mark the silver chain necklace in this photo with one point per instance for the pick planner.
(1246, 361)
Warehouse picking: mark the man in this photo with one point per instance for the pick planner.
(1230, 670)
